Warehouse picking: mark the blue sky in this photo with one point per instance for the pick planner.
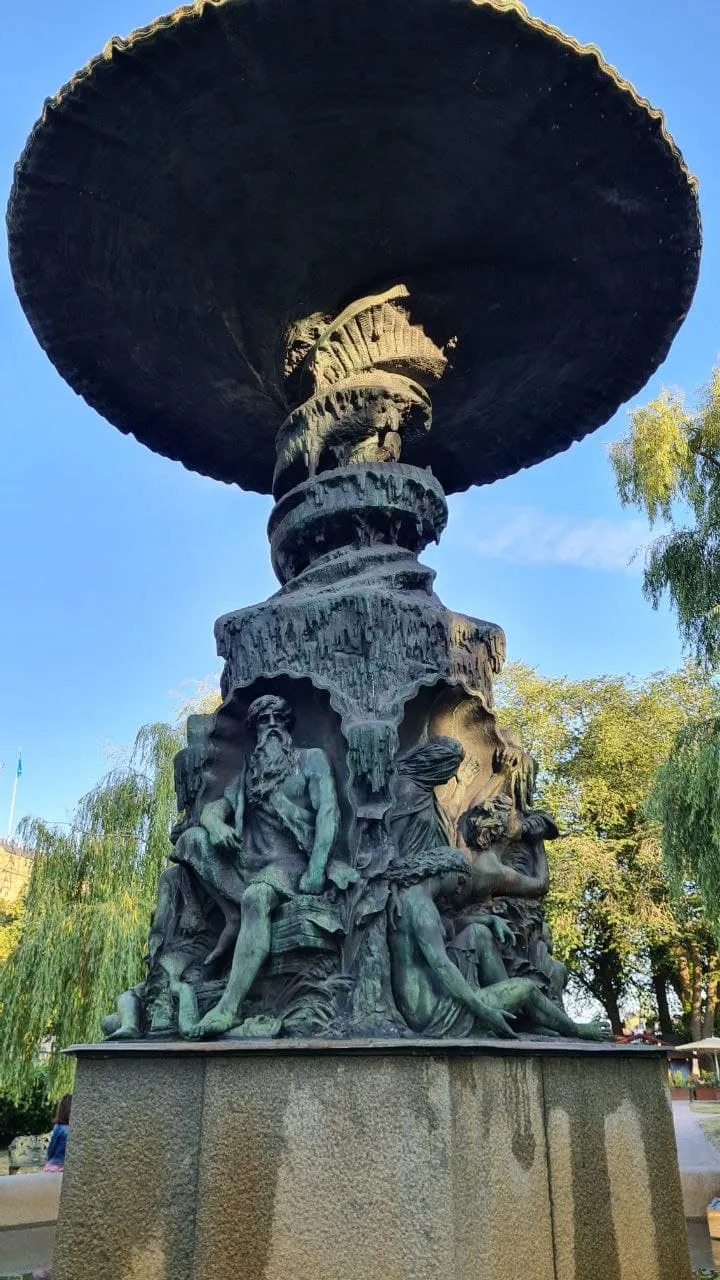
(115, 563)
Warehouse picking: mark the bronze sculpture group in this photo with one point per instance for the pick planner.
(255, 877)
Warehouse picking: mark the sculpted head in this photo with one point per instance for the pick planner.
(448, 866)
(432, 764)
(488, 822)
(271, 720)
(270, 716)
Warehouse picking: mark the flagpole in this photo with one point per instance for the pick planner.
(11, 818)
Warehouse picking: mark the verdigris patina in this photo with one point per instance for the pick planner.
(351, 283)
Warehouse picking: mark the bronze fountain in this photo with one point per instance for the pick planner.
(358, 256)
(356, 261)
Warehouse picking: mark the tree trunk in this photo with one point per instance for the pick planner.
(697, 991)
(682, 983)
(661, 998)
(606, 985)
(711, 998)
(662, 975)
(612, 1009)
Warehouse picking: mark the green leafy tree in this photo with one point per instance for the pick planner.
(203, 700)
(32, 1114)
(599, 743)
(685, 800)
(84, 924)
(668, 465)
(10, 923)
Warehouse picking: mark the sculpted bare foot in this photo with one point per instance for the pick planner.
(215, 1023)
(124, 1033)
(593, 1030)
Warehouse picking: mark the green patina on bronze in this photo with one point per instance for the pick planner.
(353, 254)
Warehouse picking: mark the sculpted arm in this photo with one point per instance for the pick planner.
(492, 878)
(216, 811)
(215, 818)
(323, 797)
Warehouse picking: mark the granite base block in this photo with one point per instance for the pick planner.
(410, 1161)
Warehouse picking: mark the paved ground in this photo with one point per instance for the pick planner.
(696, 1154)
(695, 1151)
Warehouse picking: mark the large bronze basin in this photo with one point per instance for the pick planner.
(241, 164)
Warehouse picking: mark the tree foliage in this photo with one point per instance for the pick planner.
(84, 925)
(685, 800)
(10, 922)
(616, 922)
(668, 465)
(33, 1113)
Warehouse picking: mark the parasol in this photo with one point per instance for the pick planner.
(710, 1045)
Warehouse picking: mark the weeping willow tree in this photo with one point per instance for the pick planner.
(85, 921)
(685, 799)
(668, 465)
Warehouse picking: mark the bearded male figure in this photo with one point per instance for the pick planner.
(266, 840)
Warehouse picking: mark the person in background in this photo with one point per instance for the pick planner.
(58, 1138)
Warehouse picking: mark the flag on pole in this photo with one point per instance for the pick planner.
(11, 818)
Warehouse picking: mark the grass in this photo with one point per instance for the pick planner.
(709, 1120)
(710, 1126)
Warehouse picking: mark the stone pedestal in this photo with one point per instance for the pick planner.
(407, 1160)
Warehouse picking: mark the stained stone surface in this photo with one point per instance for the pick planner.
(617, 1208)
(300, 1161)
(129, 1197)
